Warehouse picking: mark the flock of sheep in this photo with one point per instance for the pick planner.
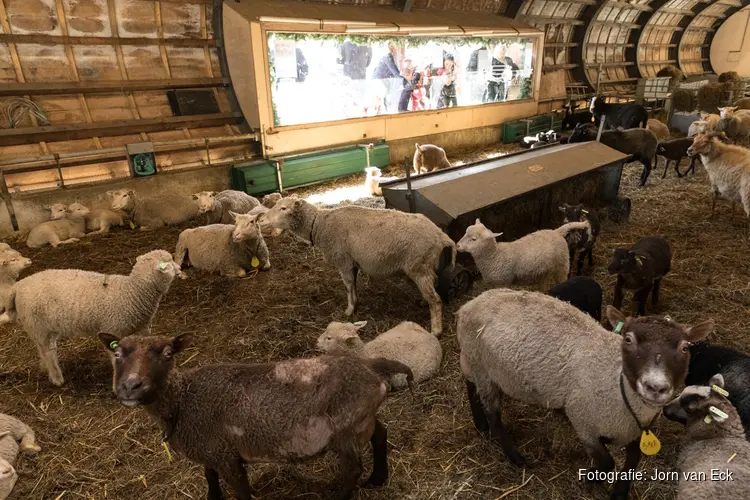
(545, 347)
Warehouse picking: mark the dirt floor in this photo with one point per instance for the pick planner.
(95, 448)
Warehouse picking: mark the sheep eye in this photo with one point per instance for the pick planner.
(283, 208)
(473, 238)
(328, 338)
(628, 339)
(685, 348)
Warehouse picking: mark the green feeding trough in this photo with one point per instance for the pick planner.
(278, 174)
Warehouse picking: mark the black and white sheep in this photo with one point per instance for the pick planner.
(625, 115)
(572, 119)
(581, 241)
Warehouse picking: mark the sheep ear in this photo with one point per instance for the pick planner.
(616, 318)
(297, 203)
(234, 215)
(496, 235)
(181, 342)
(350, 341)
(699, 332)
(477, 221)
(360, 324)
(717, 380)
(110, 341)
(195, 196)
(131, 192)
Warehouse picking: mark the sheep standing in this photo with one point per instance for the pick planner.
(641, 268)
(377, 242)
(625, 115)
(735, 124)
(429, 157)
(717, 444)
(150, 213)
(223, 416)
(675, 150)
(70, 302)
(373, 179)
(60, 231)
(581, 292)
(407, 343)
(217, 206)
(660, 130)
(12, 263)
(228, 249)
(537, 349)
(581, 241)
(539, 258)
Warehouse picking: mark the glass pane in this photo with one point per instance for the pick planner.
(327, 77)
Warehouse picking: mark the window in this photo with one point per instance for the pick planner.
(328, 77)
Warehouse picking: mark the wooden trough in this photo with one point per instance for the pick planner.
(514, 194)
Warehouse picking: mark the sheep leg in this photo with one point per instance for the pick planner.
(350, 466)
(617, 300)
(581, 256)
(666, 165)
(379, 441)
(632, 458)
(491, 398)
(640, 297)
(214, 489)
(69, 240)
(477, 410)
(713, 204)
(426, 285)
(691, 168)
(572, 253)
(350, 282)
(48, 358)
(655, 292)
(603, 461)
(590, 252)
(677, 167)
(646, 171)
(235, 476)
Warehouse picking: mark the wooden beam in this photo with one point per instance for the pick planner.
(657, 63)
(560, 45)
(553, 67)
(201, 2)
(626, 5)
(680, 12)
(615, 24)
(101, 40)
(553, 20)
(75, 131)
(107, 87)
(620, 64)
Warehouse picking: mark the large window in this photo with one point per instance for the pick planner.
(316, 78)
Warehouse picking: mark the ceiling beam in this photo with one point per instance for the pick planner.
(636, 37)
(101, 40)
(580, 36)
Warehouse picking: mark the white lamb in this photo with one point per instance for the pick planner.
(57, 211)
(102, 217)
(60, 231)
(70, 302)
(225, 248)
(149, 213)
(373, 179)
(15, 436)
(8, 478)
(407, 343)
(270, 199)
(216, 206)
(541, 258)
(12, 263)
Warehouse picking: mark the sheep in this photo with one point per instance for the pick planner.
(216, 206)
(582, 292)
(407, 343)
(641, 268)
(270, 199)
(571, 119)
(717, 443)
(538, 140)
(12, 263)
(675, 150)
(736, 125)
(673, 72)
(743, 103)
(728, 170)
(708, 359)
(57, 211)
(540, 350)
(8, 478)
(16, 436)
(428, 158)
(378, 242)
(70, 302)
(660, 130)
(60, 231)
(373, 179)
(641, 143)
(225, 415)
(150, 213)
(581, 241)
(539, 258)
(626, 115)
(229, 249)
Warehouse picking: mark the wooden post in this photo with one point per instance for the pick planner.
(279, 166)
(601, 127)
(409, 193)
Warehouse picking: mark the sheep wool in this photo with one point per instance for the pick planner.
(148, 213)
(13, 431)
(407, 343)
(728, 169)
(8, 478)
(217, 206)
(60, 231)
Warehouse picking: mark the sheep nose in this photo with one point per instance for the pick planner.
(133, 384)
(657, 388)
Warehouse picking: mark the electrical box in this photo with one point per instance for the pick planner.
(141, 159)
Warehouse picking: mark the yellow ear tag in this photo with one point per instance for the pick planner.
(132, 226)
(650, 444)
(593, 119)
(255, 262)
(639, 261)
(720, 390)
(707, 419)
(166, 449)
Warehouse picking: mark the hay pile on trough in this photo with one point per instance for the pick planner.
(95, 448)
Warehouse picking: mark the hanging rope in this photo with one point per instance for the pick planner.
(15, 109)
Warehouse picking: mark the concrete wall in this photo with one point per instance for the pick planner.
(475, 137)
(730, 48)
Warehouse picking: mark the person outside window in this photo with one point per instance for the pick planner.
(447, 74)
(389, 74)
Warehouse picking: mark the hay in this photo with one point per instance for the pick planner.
(95, 448)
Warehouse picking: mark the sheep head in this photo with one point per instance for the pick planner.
(341, 338)
(57, 211)
(476, 236)
(122, 199)
(205, 201)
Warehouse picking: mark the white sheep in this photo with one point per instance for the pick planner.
(149, 213)
(542, 351)
(377, 242)
(270, 199)
(60, 231)
(102, 217)
(16, 436)
(541, 258)
(735, 124)
(70, 302)
(216, 206)
(8, 478)
(407, 343)
(373, 178)
(57, 211)
(228, 249)
(12, 263)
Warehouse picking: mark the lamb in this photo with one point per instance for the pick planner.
(708, 359)
(270, 199)
(373, 179)
(581, 241)
(407, 343)
(641, 268)
(735, 124)
(151, 213)
(376, 241)
(660, 130)
(228, 249)
(57, 211)
(537, 349)
(641, 143)
(8, 478)
(428, 158)
(232, 414)
(16, 436)
(539, 140)
(216, 206)
(70, 302)
(571, 119)
(675, 150)
(728, 170)
(626, 115)
(539, 258)
(717, 443)
(12, 263)
(743, 103)
(581, 292)
(60, 231)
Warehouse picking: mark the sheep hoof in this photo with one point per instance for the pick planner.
(56, 380)
(376, 481)
(515, 458)
(30, 448)
(349, 311)
(183, 275)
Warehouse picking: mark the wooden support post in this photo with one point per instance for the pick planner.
(409, 193)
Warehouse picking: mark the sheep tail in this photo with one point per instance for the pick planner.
(387, 368)
(572, 226)
(9, 315)
(179, 253)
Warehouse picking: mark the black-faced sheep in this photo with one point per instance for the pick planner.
(150, 213)
(216, 206)
(429, 157)
(581, 292)
(675, 150)
(223, 416)
(60, 231)
(571, 119)
(540, 350)
(625, 115)
(377, 242)
(581, 241)
(641, 268)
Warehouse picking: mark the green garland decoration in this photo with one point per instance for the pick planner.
(525, 88)
(412, 41)
(272, 74)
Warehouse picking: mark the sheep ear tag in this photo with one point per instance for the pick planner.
(162, 266)
(113, 345)
(255, 262)
(719, 390)
(618, 328)
(132, 226)
(650, 444)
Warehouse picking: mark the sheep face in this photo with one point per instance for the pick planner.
(57, 211)
(623, 261)
(281, 215)
(373, 172)
(159, 263)
(141, 365)
(702, 144)
(122, 199)
(727, 112)
(655, 353)
(205, 201)
(341, 337)
(580, 133)
(691, 408)
(270, 200)
(476, 236)
(77, 211)
(8, 478)
(246, 226)
(13, 262)
(571, 213)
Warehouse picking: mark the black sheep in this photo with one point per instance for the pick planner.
(706, 360)
(675, 150)
(571, 119)
(641, 268)
(581, 292)
(625, 115)
(581, 241)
